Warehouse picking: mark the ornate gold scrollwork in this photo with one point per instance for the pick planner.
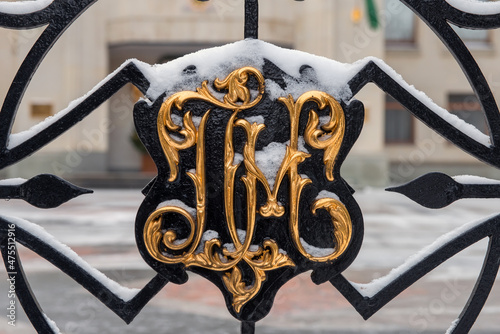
(160, 243)
(335, 130)
(154, 236)
(329, 138)
(341, 224)
(235, 83)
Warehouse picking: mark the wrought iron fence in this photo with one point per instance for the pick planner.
(179, 227)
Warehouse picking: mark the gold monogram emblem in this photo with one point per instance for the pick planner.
(162, 243)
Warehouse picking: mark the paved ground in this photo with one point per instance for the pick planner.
(100, 228)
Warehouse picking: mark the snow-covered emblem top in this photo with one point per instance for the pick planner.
(248, 192)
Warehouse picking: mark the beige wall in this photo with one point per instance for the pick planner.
(430, 67)
(171, 21)
(76, 63)
(113, 30)
(81, 58)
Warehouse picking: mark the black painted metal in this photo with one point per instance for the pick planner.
(43, 191)
(433, 190)
(247, 327)
(252, 19)
(182, 189)
(437, 190)
(126, 310)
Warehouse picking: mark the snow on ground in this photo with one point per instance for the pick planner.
(395, 226)
(100, 227)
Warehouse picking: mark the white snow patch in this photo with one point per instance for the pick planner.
(327, 194)
(371, 289)
(21, 137)
(178, 203)
(332, 77)
(254, 248)
(472, 179)
(23, 7)
(179, 121)
(242, 235)
(323, 120)
(476, 7)
(453, 326)
(220, 61)
(12, 182)
(230, 247)
(301, 144)
(176, 136)
(207, 236)
(121, 292)
(52, 324)
(316, 251)
(269, 160)
(256, 119)
(466, 128)
(179, 242)
(176, 119)
(238, 158)
(196, 120)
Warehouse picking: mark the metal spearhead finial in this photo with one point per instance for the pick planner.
(434, 190)
(43, 191)
(437, 190)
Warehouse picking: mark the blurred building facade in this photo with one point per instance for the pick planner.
(393, 146)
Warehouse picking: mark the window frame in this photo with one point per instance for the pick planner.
(484, 128)
(389, 101)
(472, 42)
(411, 41)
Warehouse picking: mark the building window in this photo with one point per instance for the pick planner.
(468, 108)
(398, 123)
(472, 36)
(400, 25)
(42, 110)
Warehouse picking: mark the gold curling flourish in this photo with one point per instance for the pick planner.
(267, 257)
(213, 257)
(329, 139)
(237, 98)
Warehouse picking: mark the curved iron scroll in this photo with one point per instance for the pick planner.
(126, 310)
(438, 15)
(369, 305)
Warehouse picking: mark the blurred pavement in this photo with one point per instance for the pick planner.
(100, 228)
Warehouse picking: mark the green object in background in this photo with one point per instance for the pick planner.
(371, 8)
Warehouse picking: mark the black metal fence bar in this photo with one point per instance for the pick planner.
(252, 19)
(249, 277)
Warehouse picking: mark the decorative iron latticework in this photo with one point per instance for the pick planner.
(247, 237)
